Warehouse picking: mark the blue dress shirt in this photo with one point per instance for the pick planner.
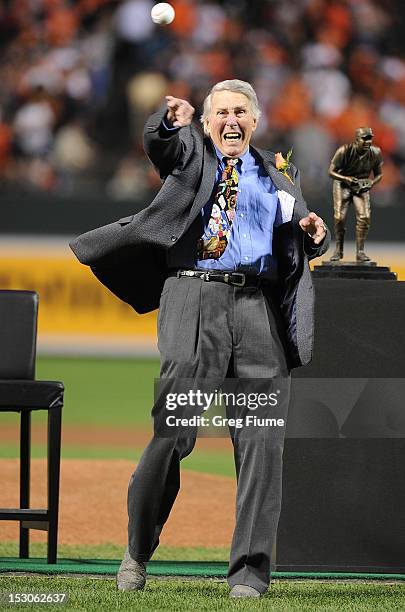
(249, 249)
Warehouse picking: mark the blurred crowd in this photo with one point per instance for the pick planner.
(78, 79)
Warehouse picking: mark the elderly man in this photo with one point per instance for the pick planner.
(223, 251)
(350, 168)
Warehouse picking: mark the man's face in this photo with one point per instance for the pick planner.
(230, 123)
(363, 143)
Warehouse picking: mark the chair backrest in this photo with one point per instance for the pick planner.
(18, 334)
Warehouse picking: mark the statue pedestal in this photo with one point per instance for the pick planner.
(353, 269)
(343, 503)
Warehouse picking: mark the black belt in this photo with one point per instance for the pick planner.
(237, 279)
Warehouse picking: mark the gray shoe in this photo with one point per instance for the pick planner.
(131, 574)
(243, 590)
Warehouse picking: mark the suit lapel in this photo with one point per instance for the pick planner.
(210, 165)
(280, 181)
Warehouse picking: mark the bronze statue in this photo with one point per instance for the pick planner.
(350, 168)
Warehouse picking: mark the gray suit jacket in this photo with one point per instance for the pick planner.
(129, 255)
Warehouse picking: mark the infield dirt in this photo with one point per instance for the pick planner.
(93, 498)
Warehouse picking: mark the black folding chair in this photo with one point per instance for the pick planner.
(20, 392)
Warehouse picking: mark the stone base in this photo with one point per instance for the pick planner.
(353, 269)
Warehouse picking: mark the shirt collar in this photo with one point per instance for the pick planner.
(247, 155)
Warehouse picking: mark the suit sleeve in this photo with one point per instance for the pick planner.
(166, 148)
(311, 249)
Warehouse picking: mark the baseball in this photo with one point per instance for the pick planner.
(162, 13)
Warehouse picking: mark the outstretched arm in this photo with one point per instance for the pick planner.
(162, 142)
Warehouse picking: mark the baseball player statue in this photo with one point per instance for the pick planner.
(351, 168)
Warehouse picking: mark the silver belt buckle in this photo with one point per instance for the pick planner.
(240, 283)
(181, 273)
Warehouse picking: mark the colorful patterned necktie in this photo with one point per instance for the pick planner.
(216, 237)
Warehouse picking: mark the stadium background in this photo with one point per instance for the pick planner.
(77, 81)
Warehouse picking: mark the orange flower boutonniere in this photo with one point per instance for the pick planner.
(283, 165)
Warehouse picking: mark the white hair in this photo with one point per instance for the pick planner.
(237, 86)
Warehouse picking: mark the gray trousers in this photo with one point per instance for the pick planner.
(206, 332)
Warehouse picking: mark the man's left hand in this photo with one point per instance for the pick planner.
(314, 227)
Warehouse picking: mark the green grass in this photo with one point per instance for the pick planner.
(104, 391)
(207, 462)
(108, 392)
(88, 595)
(115, 551)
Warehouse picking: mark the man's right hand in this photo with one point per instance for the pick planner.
(352, 180)
(179, 112)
